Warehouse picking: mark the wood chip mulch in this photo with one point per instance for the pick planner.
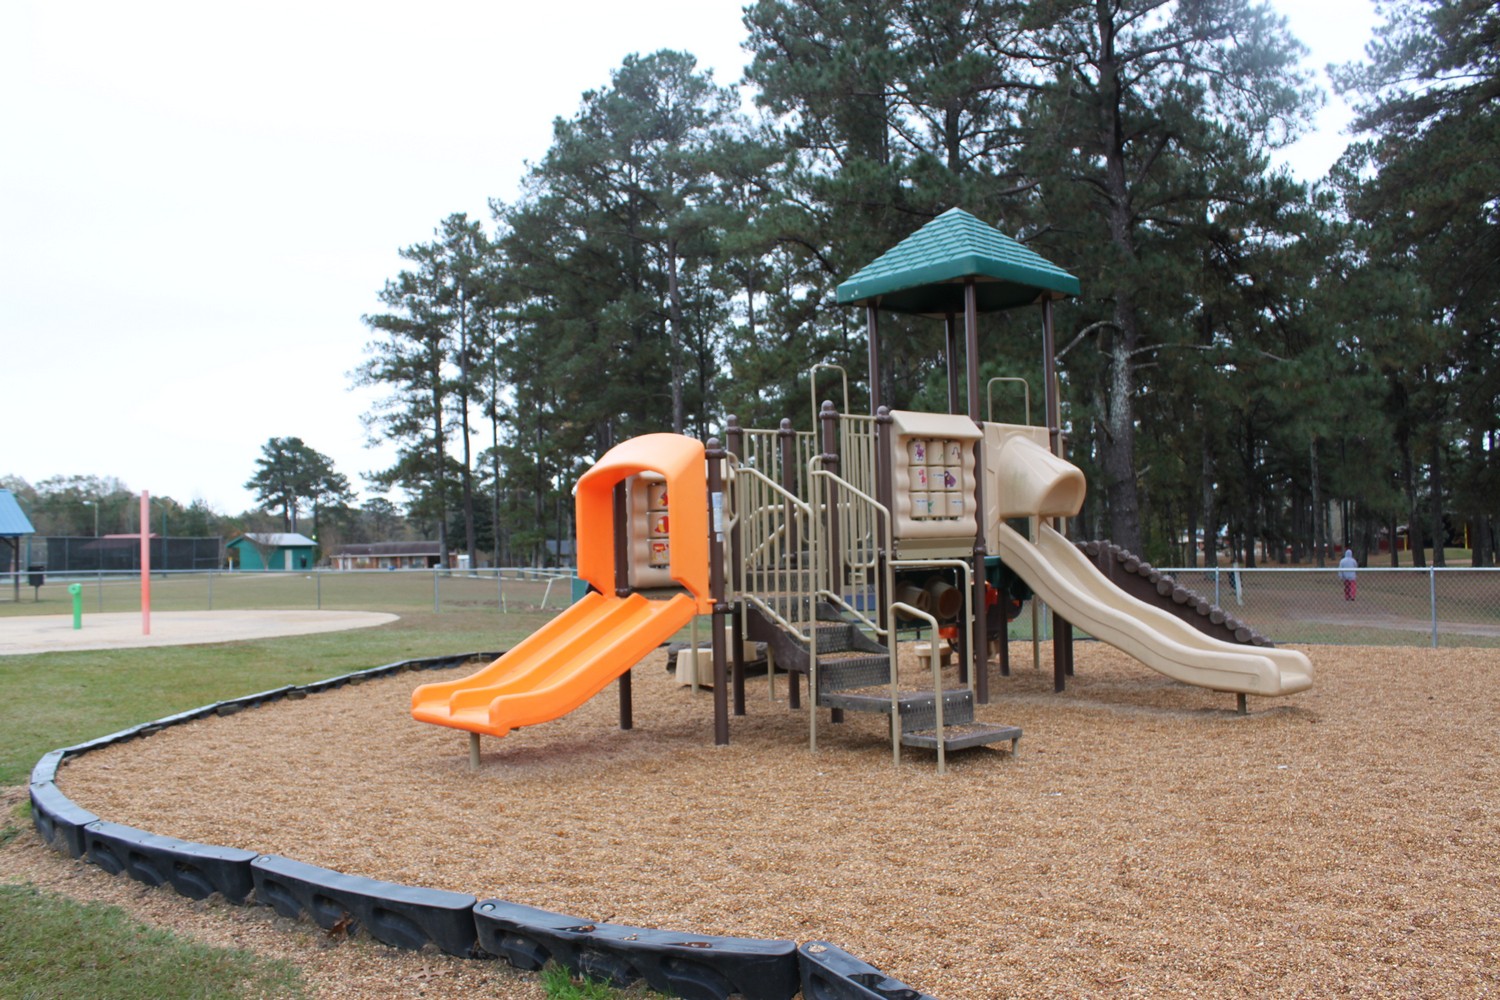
(1147, 841)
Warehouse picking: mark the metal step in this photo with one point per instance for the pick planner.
(852, 668)
(917, 711)
(961, 736)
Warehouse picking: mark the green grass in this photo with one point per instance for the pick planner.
(58, 699)
(52, 946)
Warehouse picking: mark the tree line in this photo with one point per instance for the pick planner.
(296, 487)
(1249, 351)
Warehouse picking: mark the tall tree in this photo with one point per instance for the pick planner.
(412, 360)
(1426, 185)
(1157, 114)
(289, 472)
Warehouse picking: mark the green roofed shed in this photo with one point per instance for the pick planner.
(927, 272)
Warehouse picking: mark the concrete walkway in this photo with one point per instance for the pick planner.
(55, 633)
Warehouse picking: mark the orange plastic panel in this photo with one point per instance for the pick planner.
(681, 461)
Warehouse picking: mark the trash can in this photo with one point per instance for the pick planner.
(35, 575)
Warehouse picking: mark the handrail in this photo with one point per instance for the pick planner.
(937, 686)
(812, 386)
(989, 402)
(880, 513)
(770, 541)
(819, 480)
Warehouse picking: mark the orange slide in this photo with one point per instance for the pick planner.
(576, 655)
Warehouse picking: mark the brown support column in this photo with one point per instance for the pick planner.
(786, 440)
(1059, 663)
(979, 646)
(622, 587)
(1062, 631)
(1005, 638)
(872, 327)
(950, 337)
(736, 438)
(714, 454)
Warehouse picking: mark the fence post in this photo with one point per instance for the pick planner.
(211, 590)
(1432, 602)
(437, 607)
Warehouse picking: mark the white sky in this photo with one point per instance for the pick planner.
(198, 201)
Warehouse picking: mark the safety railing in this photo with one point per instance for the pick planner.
(781, 455)
(776, 569)
(854, 579)
(902, 608)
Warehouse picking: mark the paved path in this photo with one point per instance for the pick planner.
(55, 633)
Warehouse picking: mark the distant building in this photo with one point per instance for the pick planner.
(273, 551)
(386, 555)
(14, 525)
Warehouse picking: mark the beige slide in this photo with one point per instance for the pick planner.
(1064, 578)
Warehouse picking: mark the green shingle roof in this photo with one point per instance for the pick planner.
(925, 273)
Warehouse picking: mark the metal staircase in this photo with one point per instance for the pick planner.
(813, 579)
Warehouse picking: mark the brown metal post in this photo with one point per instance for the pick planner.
(1062, 645)
(736, 438)
(786, 440)
(979, 646)
(622, 587)
(714, 455)
(1005, 638)
(872, 328)
(950, 339)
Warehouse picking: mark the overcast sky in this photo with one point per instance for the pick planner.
(198, 201)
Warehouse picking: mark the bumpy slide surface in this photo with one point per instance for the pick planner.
(1068, 582)
(558, 667)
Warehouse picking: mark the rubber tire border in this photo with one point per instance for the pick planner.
(691, 965)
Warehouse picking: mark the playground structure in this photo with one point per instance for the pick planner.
(825, 544)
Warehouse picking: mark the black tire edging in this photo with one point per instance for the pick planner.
(409, 917)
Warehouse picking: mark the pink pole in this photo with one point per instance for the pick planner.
(145, 563)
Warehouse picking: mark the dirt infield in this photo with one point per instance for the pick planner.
(1146, 841)
(119, 630)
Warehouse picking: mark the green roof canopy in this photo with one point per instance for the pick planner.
(926, 272)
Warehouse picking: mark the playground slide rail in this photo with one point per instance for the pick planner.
(1070, 584)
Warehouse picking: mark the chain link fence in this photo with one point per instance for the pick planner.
(1391, 607)
(1433, 607)
(500, 590)
(120, 553)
